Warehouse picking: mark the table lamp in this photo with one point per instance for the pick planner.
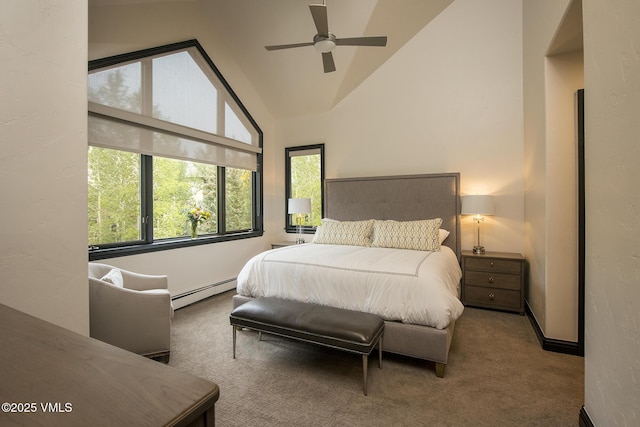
(478, 206)
(299, 208)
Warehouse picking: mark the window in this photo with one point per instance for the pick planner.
(114, 196)
(304, 168)
(167, 134)
(178, 185)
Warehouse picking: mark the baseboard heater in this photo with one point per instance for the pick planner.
(186, 298)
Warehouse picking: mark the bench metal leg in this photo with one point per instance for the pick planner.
(234, 342)
(365, 364)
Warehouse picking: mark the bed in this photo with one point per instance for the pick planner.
(415, 291)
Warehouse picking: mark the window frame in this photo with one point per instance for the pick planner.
(147, 244)
(289, 227)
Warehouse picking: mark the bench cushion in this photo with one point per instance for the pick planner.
(348, 330)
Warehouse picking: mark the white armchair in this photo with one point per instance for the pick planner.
(130, 310)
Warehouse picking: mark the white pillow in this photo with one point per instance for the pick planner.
(421, 235)
(443, 234)
(114, 277)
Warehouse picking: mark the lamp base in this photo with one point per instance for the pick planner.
(300, 240)
(478, 250)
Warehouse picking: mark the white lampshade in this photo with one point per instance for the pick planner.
(299, 206)
(478, 205)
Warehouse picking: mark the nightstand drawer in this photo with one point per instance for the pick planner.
(492, 298)
(494, 280)
(491, 264)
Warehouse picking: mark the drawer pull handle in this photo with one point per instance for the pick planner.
(492, 264)
(491, 280)
(492, 297)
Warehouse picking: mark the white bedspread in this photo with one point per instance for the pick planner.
(410, 286)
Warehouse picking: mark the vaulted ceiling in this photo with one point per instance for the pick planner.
(292, 81)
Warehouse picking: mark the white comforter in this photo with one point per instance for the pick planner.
(410, 286)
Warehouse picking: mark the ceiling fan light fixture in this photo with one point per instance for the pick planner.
(324, 46)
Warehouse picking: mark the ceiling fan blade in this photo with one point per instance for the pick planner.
(288, 46)
(363, 41)
(327, 62)
(319, 14)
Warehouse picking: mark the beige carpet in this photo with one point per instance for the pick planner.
(497, 376)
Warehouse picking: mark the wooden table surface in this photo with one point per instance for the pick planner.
(53, 376)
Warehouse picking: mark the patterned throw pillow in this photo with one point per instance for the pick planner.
(355, 233)
(420, 235)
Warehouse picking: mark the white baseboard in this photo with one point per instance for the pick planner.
(186, 298)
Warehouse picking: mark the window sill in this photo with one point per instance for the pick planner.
(164, 245)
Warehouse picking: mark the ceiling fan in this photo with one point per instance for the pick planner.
(325, 41)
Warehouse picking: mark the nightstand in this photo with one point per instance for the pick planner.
(282, 244)
(493, 280)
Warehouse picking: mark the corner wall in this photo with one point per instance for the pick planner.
(564, 75)
(553, 307)
(612, 156)
(43, 160)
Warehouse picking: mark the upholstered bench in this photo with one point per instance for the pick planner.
(347, 330)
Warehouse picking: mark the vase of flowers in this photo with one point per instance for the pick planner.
(195, 217)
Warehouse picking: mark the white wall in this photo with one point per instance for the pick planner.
(443, 103)
(116, 30)
(541, 20)
(564, 75)
(612, 156)
(43, 160)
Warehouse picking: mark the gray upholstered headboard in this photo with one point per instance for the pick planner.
(402, 198)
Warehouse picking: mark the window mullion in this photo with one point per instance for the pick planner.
(287, 184)
(220, 114)
(147, 87)
(222, 201)
(146, 199)
(147, 161)
(256, 191)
